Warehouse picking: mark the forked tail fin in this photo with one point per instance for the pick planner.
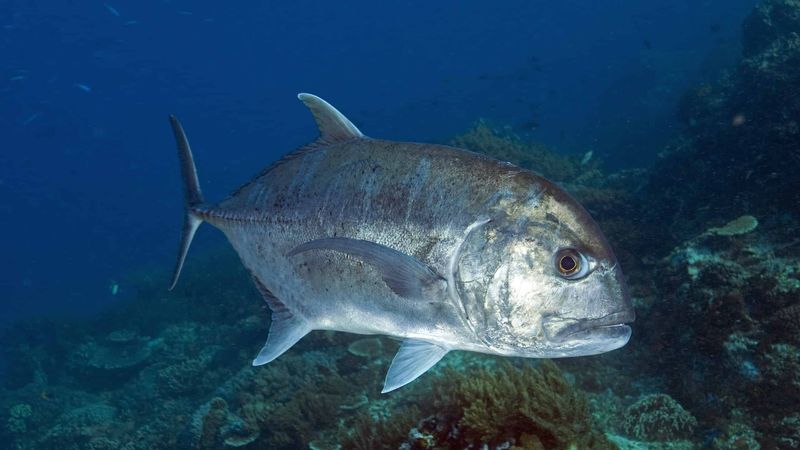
(192, 196)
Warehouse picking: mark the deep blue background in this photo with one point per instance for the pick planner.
(89, 185)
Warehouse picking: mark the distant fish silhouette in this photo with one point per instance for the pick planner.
(530, 125)
(111, 9)
(31, 118)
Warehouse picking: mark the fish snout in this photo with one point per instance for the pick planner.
(560, 329)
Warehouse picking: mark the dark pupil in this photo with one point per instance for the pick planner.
(568, 263)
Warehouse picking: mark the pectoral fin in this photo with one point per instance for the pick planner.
(405, 275)
(412, 360)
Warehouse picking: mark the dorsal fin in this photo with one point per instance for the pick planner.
(333, 125)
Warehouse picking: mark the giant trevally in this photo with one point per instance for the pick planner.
(440, 247)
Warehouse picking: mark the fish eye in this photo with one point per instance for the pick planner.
(567, 264)
(571, 264)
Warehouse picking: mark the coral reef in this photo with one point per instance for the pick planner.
(505, 146)
(485, 406)
(86, 426)
(736, 436)
(387, 431)
(739, 151)
(538, 407)
(117, 355)
(708, 241)
(179, 378)
(733, 294)
(519, 407)
(366, 348)
(17, 418)
(155, 367)
(717, 309)
(658, 417)
(788, 433)
(742, 225)
(214, 426)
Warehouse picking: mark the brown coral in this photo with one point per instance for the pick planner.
(212, 422)
(379, 433)
(493, 406)
(506, 146)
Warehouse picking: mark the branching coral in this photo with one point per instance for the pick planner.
(736, 436)
(782, 367)
(658, 417)
(18, 417)
(181, 378)
(789, 431)
(213, 420)
(89, 426)
(379, 433)
(787, 321)
(505, 146)
(502, 406)
(493, 406)
(291, 400)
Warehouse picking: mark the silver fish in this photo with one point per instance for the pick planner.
(440, 247)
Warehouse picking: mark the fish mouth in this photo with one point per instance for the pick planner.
(609, 327)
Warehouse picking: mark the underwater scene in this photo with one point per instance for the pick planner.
(400, 225)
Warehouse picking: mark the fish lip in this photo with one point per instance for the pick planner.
(560, 329)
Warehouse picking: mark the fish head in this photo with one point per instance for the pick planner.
(551, 285)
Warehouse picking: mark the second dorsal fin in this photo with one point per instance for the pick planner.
(333, 125)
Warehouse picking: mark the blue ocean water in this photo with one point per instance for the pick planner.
(674, 123)
(88, 172)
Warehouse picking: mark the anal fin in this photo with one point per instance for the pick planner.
(286, 329)
(412, 360)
